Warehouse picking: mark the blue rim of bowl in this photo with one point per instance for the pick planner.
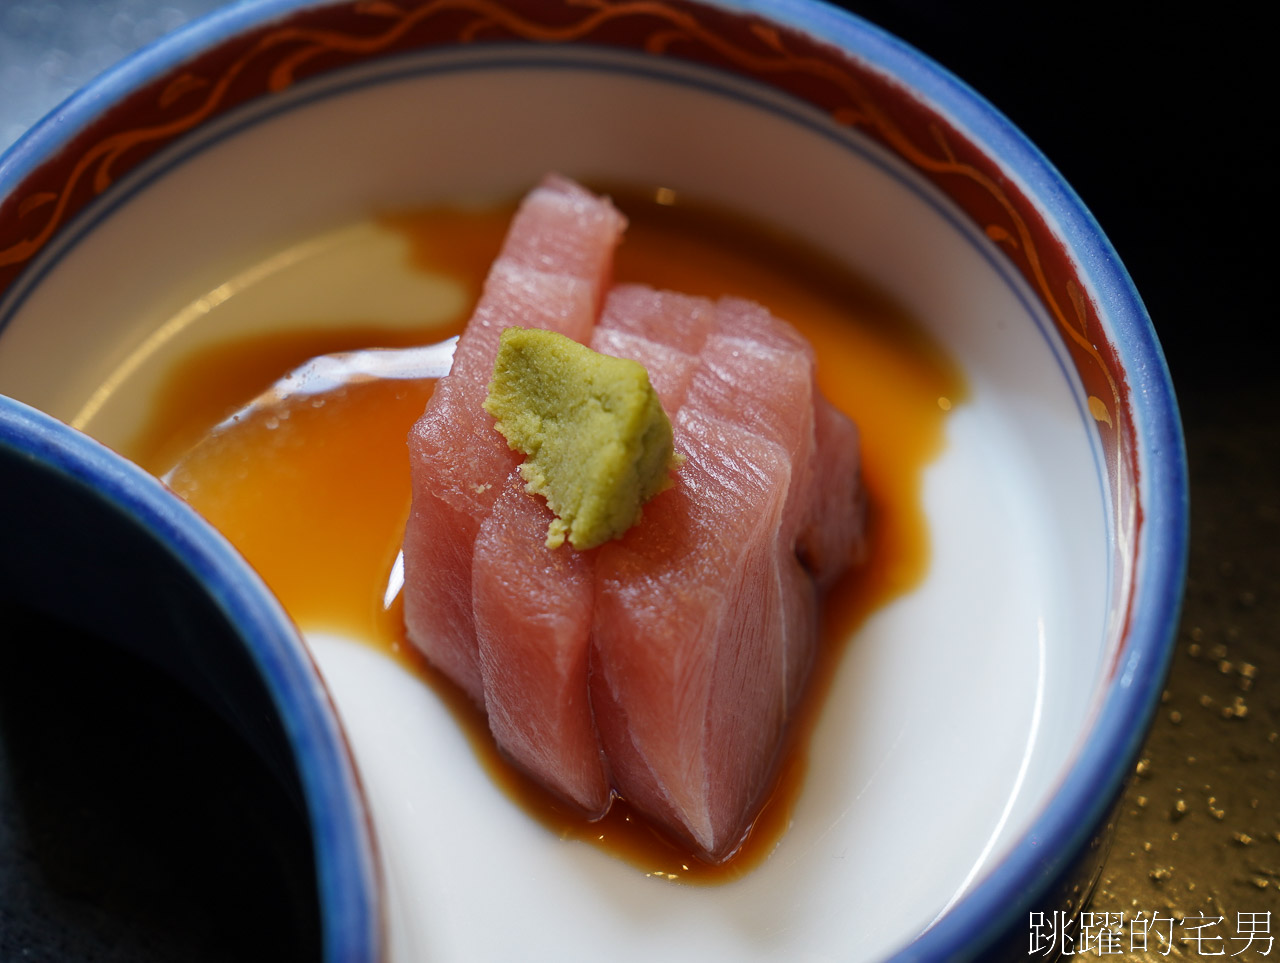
(1119, 728)
(1107, 755)
(341, 834)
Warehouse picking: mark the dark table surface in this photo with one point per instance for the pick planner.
(1151, 117)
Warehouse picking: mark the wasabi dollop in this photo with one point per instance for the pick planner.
(597, 443)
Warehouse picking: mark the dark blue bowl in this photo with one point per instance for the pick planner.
(90, 539)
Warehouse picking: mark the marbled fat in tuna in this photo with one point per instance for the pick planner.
(552, 273)
(663, 666)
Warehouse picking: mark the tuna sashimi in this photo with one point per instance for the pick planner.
(687, 664)
(724, 650)
(632, 313)
(534, 664)
(683, 321)
(830, 538)
(764, 383)
(665, 665)
(552, 273)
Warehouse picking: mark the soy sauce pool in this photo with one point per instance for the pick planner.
(316, 495)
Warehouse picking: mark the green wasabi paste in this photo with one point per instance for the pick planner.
(597, 441)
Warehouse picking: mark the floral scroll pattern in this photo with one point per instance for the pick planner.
(312, 41)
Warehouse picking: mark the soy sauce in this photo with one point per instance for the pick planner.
(316, 496)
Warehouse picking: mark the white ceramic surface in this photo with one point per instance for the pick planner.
(958, 709)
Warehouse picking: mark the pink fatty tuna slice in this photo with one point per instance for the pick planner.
(661, 330)
(552, 273)
(534, 663)
(687, 677)
(766, 386)
(679, 321)
(665, 665)
(706, 622)
(832, 535)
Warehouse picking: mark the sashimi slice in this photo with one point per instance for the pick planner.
(747, 319)
(552, 273)
(665, 665)
(534, 663)
(696, 669)
(765, 383)
(680, 321)
(686, 670)
(534, 666)
(670, 369)
(832, 535)
(767, 390)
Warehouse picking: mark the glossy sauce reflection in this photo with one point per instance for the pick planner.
(316, 499)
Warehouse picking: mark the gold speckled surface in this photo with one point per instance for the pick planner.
(1198, 832)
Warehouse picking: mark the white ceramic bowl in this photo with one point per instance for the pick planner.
(980, 727)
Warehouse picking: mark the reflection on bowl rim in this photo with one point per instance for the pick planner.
(1104, 759)
(1115, 735)
(1059, 834)
(341, 835)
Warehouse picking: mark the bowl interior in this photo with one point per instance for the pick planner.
(959, 709)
